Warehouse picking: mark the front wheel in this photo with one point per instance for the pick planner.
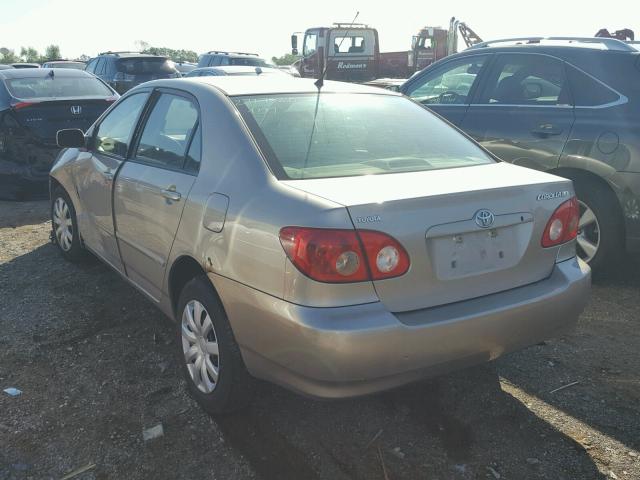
(64, 225)
(209, 356)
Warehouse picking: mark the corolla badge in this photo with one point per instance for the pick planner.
(76, 109)
(484, 218)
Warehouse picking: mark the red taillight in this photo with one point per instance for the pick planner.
(337, 256)
(563, 224)
(19, 105)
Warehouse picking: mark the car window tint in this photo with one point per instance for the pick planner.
(168, 131)
(527, 80)
(91, 66)
(192, 163)
(449, 85)
(587, 91)
(115, 131)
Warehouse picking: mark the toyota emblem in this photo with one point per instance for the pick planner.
(484, 218)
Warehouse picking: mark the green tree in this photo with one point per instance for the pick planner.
(52, 52)
(286, 59)
(29, 55)
(8, 56)
(175, 55)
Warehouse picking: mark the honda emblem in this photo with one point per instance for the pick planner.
(76, 109)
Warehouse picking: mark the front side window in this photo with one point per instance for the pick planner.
(338, 135)
(310, 44)
(168, 130)
(115, 131)
(527, 80)
(450, 85)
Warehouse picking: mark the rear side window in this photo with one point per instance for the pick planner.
(192, 163)
(527, 80)
(168, 131)
(84, 86)
(115, 131)
(587, 91)
(133, 66)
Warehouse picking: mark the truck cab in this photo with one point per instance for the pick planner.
(348, 52)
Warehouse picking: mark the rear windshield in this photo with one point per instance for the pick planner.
(133, 66)
(339, 135)
(249, 62)
(57, 87)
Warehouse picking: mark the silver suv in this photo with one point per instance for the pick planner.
(336, 241)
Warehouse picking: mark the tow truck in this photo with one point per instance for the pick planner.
(350, 52)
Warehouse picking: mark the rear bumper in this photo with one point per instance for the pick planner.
(356, 350)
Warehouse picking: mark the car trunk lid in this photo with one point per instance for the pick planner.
(44, 118)
(438, 217)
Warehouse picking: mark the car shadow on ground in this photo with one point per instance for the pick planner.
(102, 342)
(598, 363)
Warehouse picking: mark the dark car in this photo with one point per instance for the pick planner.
(233, 70)
(216, 58)
(34, 105)
(125, 70)
(74, 64)
(569, 106)
(25, 65)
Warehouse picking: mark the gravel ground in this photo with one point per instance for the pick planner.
(96, 365)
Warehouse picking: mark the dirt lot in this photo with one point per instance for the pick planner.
(96, 366)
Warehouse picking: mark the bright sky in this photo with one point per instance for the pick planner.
(264, 27)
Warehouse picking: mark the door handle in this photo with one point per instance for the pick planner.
(108, 174)
(546, 130)
(171, 194)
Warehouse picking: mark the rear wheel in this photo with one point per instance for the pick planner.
(64, 224)
(600, 239)
(209, 356)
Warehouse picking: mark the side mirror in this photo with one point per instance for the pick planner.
(294, 42)
(70, 138)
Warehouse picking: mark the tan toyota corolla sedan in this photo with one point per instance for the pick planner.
(337, 241)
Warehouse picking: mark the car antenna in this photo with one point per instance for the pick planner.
(320, 82)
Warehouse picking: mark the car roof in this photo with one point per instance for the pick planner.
(274, 84)
(130, 55)
(41, 73)
(63, 61)
(230, 54)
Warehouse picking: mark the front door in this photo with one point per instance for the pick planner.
(310, 61)
(448, 90)
(152, 188)
(524, 112)
(95, 171)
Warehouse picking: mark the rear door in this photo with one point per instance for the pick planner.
(448, 90)
(95, 171)
(152, 187)
(524, 111)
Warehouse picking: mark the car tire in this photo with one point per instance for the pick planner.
(608, 225)
(232, 388)
(64, 227)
